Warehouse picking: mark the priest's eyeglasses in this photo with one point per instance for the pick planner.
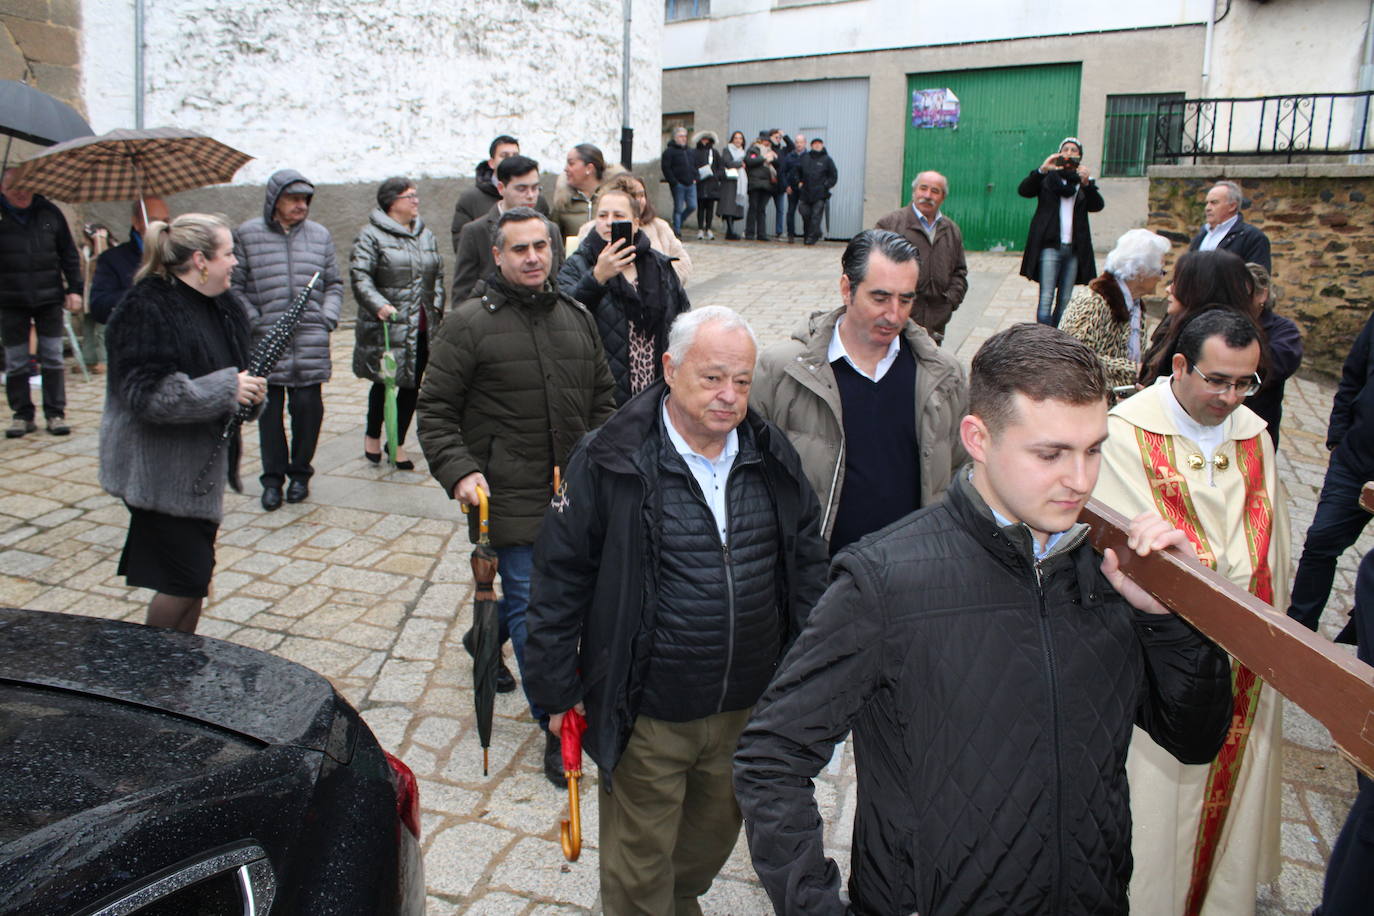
(1244, 387)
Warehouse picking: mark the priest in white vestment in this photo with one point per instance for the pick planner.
(1204, 837)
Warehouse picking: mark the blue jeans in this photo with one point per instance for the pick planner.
(1058, 270)
(1336, 526)
(515, 566)
(779, 208)
(684, 204)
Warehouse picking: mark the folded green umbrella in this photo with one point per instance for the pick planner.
(389, 405)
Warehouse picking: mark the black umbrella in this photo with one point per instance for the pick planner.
(37, 117)
(486, 629)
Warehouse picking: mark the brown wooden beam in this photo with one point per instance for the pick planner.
(1333, 686)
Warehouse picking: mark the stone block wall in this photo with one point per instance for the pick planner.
(1320, 223)
(40, 45)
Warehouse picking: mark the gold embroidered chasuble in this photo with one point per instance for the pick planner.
(1194, 852)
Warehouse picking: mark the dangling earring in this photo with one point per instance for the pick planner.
(204, 275)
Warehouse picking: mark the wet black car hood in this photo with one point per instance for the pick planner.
(235, 688)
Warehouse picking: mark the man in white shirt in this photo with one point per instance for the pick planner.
(1226, 230)
(662, 615)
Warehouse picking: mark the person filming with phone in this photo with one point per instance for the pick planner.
(1059, 247)
(631, 289)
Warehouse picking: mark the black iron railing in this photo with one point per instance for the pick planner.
(1275, 126)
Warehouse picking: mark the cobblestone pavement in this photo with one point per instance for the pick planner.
(368, 583)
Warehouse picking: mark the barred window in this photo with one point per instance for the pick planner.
(686, 9)
(1132, 121)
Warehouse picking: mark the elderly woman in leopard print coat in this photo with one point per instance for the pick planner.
(1107, 314)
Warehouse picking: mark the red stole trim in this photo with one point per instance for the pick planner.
(1170, 491)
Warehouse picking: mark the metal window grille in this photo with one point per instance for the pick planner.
(1132, 123)
(686, 9)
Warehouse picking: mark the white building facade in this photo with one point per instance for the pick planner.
(1025, 76)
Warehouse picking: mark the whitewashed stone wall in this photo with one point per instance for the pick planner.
(355, 91)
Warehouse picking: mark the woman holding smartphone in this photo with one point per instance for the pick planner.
(629, 287)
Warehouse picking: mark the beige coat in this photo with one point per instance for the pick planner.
(1167, 796)
(795, 388)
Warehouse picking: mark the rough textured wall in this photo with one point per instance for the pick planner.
(358, 91)
(1320, 223)
(40, 45)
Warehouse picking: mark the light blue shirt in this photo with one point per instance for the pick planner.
(929, 227)
(1040, 553)
(837, 351)
(1133, 304)
(1214, 236)
(711, 474)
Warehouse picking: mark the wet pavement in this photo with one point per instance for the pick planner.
(368, 583)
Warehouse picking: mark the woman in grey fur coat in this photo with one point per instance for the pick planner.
(175, 343)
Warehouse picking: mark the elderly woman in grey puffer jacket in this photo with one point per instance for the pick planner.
(277, 254)
(398, 279)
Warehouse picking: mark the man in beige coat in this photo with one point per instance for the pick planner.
(866, 397)
(1187, 448)
(944, 272)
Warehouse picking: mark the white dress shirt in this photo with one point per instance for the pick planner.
(837, 351)
(1214, 236)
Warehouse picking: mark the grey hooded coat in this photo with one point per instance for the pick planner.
(274, 265)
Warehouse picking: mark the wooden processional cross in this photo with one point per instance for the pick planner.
(1331, 685)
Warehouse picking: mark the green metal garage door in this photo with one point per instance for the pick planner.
(1010, 119)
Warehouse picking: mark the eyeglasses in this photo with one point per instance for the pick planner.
(1244, 387)
(413, 195)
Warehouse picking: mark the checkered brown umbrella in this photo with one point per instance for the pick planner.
(128, 165)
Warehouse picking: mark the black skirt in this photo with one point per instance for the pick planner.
(168, 553)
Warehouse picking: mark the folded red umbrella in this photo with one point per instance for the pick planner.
(570, 831)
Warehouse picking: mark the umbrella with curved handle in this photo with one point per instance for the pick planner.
(570, 830)
(486, 629)
(388, 373)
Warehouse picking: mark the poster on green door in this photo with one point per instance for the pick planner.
(934, 108)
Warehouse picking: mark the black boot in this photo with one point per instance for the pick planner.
(553, 761)
(505, 682)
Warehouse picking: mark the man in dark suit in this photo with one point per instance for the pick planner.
(944, 271)
(517, 185)
(115, 269)
(1226, 230)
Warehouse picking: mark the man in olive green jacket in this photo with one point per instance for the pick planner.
(516, 377)
(868, 400)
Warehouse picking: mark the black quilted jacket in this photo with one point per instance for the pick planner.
(659, 293)
(38, 260)
(991, 700)
(595, 594)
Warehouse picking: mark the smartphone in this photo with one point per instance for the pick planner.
(622, 229)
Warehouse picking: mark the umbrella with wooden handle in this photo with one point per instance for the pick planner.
(570, 829)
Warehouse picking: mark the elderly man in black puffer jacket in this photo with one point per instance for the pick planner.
(991, 666)
(40, 274)
(675, 566)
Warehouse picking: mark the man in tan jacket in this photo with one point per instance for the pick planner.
(944, 273)
(868, 400)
